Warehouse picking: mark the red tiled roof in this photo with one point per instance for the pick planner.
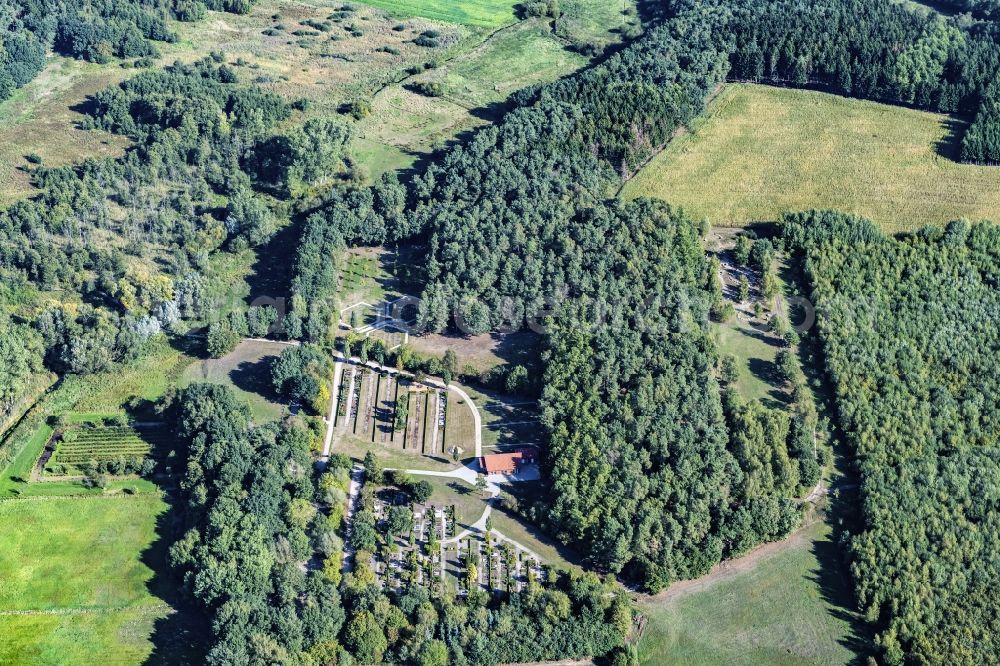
(500, 463)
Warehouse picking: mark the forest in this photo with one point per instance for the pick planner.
(909, 337)
(519, 220)
(503, 214)
(129, 240)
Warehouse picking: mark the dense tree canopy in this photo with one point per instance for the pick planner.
(910, 338)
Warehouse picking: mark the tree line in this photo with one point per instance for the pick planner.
(909, 337)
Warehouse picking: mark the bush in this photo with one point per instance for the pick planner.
(221, 339)
(428, 88)
(359, 109)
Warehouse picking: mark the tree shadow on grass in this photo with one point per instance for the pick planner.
(254, 377)
(271, 277)
(759, 332)
(833, 578)
(460, 488)
(180, 637)
(764, 370)
(949, 146)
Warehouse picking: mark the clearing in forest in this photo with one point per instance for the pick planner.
(761, 151)
(787, 603)
(247, 370)
(484, 13)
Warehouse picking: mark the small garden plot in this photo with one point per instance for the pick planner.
(109, 449)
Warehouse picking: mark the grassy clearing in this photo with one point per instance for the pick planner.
(247, 370)
(405, 125)
(523, 55)
(459, 428)
(481, 352)
(40, 119)
(529, 536)
(469, 504)
(80, 638)
(761, 151)
(507, 421)
(598, 22)
(755, 351)
(484, 13)
(366, 276)
(77, 553)
(789, 607)
(349, 60)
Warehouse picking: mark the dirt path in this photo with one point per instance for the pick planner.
(354, 489)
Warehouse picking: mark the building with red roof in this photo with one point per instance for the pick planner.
(508, 463)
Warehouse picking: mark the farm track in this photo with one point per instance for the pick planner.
(434, 421)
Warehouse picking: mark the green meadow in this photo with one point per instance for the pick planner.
(761, 151)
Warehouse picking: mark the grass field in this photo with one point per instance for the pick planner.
(789, 608)
(755, 352)
(76, 553)
(80, 638)
(485, 13)
(77, 573)
(761, 151)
